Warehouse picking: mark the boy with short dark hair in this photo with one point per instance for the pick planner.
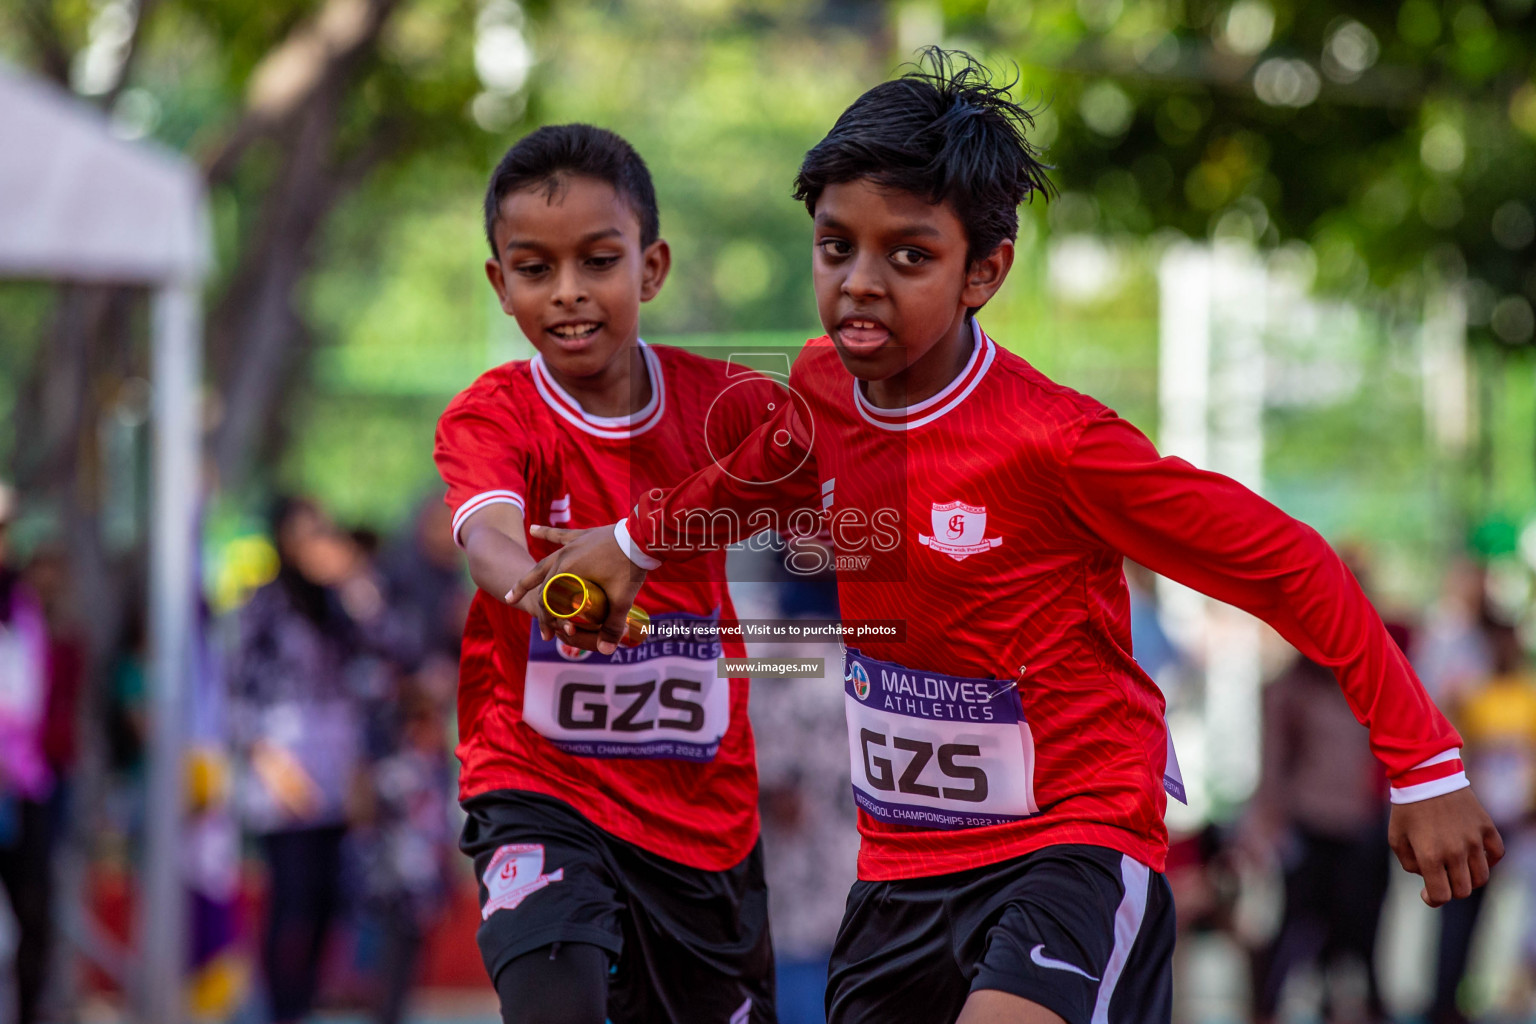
(611, 799)
(1009, 756)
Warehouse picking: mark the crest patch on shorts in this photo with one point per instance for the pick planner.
(515, 872)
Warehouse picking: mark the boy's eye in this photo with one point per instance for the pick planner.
(834, 247)
(909, 257)
(602, 262)
(531, 269)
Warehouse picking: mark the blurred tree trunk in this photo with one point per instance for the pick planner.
(256, 338)
(69, 387)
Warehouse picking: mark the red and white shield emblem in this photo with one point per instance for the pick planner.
(516, 871)
(959, 530)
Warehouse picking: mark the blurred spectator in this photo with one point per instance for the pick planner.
(1321, 806)
(26, 781)
(1162, 660)
(405, 836)
(47, 573)
(1154, 651)
(805, 795)
(404, 798)
(211, 862)
(1203, 875)
(127, 720)
(807, 804)
(1498, 724)
(426, 587)
(295, 718)
(1452, 653)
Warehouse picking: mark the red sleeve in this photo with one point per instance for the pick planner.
(482, 453)
(752, 400)
(1213, 534)
(768, 477)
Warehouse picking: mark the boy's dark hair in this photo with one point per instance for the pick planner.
(543, 157)
(944, 131)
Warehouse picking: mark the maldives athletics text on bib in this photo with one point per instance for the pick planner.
(658, 699)
(935, 750)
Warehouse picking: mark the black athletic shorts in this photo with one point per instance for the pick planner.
(1084, 931)
(688, 945)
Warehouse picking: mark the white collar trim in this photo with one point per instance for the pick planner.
(983, 351)
(570, 410)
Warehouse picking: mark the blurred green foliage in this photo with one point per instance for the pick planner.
(1391, 145)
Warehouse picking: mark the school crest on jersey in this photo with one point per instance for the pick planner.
(516, 871)
(959, 531)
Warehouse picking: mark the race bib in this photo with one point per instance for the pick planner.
(660, 699)
(934, 750)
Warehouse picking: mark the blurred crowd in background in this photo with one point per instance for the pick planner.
(320, 851)
(321, 752)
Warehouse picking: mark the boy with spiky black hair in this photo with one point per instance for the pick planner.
(1009, 756)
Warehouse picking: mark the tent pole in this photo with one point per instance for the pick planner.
(162, 912)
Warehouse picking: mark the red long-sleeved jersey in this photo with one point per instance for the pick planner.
(992, 519)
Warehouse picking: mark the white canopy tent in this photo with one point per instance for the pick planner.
(78, 204)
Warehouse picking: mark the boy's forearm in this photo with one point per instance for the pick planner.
(496, 561)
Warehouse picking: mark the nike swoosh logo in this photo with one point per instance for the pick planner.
(1053, 964)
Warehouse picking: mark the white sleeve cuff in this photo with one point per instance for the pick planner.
(479, 502)
(1440, 758)
(631, 549)
(1429, 790)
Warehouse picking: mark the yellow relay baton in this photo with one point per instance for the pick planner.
(568, 596)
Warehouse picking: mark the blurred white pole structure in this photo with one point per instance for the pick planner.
(78, 204)
(1184, 351)
(1444, 355)
(177, 369)
(1184, 394)
(1233, 666)
(1210, 412)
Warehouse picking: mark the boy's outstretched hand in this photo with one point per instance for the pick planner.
(1449, 840)
(593, 555)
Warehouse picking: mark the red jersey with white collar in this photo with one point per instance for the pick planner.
(650, 747)
(992, 520)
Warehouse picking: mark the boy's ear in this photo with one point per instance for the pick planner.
(985, 276)
(498, 281)
(654, 264)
